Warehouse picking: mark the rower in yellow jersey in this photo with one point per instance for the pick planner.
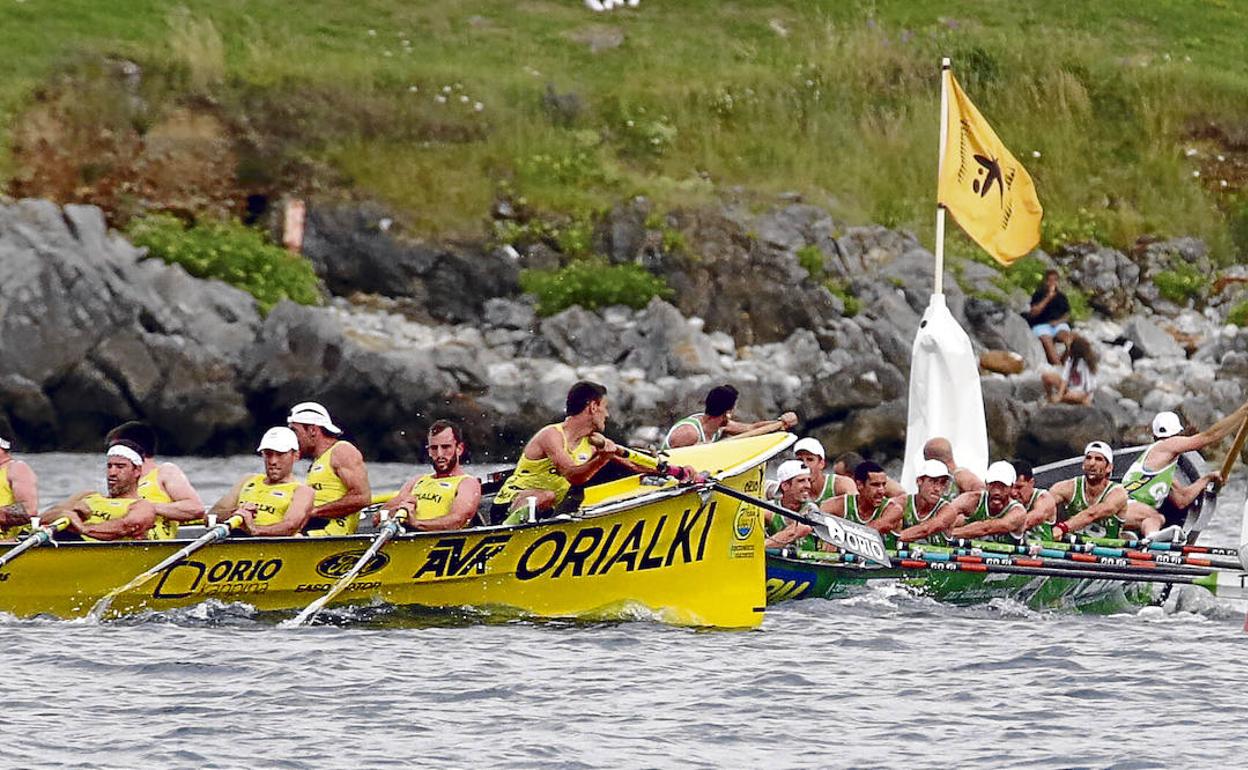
(119, 515)
(560, 456)
(273, 503)
(164, 485)
(19, 488)
(448, 497)
(338, 477)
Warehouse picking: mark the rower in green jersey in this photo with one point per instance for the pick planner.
(1039, 504)
(793, 479)
(824, 486)
(869, 504)
(1150, 480)
(992, 514)
(924, 514)
(19, 488)
(716, 422)
(273, 503)
(960, 479)
(1094, 504)
(121, 514)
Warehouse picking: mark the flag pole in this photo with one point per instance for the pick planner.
(940, 209)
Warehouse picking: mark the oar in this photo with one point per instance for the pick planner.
(36, 539)
(219, 532)
(1098, 563)
(1091, 553)
(388, 531)
(1223, 584)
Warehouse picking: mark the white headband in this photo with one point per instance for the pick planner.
(4, 444)
(119, 450)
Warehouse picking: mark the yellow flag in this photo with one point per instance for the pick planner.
(984, 186)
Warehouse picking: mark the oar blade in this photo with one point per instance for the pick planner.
(848, 536)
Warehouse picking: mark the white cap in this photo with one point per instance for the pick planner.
(791, 469)
(811, 445)
(1166, 424)
(1001, 472)
(933, 469)
(1102, 449)
(312, 413)
(4, 444)
(280, 439)
(124, 452)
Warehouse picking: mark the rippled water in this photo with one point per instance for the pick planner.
(880, 680)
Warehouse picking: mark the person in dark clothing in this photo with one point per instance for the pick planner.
(1049, 316)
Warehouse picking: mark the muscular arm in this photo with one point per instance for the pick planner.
(1168, 449)
(550, 444)
(463, 508)
(348, 465)
(685, 435)
(790, 534)
(968, 481)
(736, 429)
(1183, 496)
(1012, 522)
(186, 505)
(945, 519)
(296, 517)
(228, 502)
(25, 488)
(1045, 510)
(889, 520)
(137, 521)
(834, 505)
(1113, 505)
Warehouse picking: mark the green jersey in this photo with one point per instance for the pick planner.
(1149, 487)
(829, 489)
(778, 523)
(852, 513)
(1110, 526)
(1043, 530)
(696, 421)
(910, 517)
(981, 513)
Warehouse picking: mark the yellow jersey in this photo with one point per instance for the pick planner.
(271, 500)
(434, 495)
(150, 489)
(106, 509)
(326, 488)
(8, 498)
(541, 474)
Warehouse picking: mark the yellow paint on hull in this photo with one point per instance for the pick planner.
(666, 553)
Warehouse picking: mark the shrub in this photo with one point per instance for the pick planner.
(592, 284)
(1239, 314)
(1181, 284)
(853, 305)
(230, 252)
(811, 260)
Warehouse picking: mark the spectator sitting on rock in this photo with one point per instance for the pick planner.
(1049, 316)
(1077, 382)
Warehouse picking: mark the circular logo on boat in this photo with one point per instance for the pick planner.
(341, 563)
(743, 523)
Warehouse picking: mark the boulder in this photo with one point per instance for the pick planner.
(1057, 431)
(1151, 340)
(1107, 275)
(621, 234)
(997, 327)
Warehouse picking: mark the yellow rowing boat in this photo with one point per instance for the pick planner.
(637, 547)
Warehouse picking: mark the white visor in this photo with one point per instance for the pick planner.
(5, 445)
(1001, 472)
(279, 439)
(811, 445)
(124, 452)
(933, 469)
(1100, 448)
(312, 413)
(1166, 424)
(791, 469)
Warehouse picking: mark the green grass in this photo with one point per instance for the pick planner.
(833, 99)
(1238, 314)
(592, 284)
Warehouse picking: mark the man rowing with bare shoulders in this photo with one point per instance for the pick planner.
(962, 479)
(1150, 480)
(986, 514)
(793, 483)
(1039, 504)
(1095, 505)
(337, 476)
(824, 486)
(164, 485)
(121, 514)
(19, 488)
(273, 503)
(716, 422)
(448, 497)
(560, 456)
(919, 510)
(869, 503)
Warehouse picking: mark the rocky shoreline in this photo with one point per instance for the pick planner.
(93, 333)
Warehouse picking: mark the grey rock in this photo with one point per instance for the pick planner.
(581, 337)
(1004, 416)
(997, 327)
(509, 314)
(622, 235)
(1056, 431)
(1107, 276)
(1151, 340)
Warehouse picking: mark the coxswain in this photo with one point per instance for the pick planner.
(448, 497)
(273, 503)
(1095, 505)
(992, 514)
(1150, 481)
(962, 479)
(1039, 503)
(560, 456)
(824, 486)
(337, 476)
(19, 487)
(793, 480)
(121, 514)
(869, 503)
(923, 514)
(164, 485)
(716, 422)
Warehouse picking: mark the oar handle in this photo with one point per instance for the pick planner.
(1237, 446)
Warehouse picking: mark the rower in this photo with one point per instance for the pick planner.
(923, 514)
(337, 475)
(273, 503)
(992, 514)
(1040, 506)
(962, 479)
(716, 422)
(845, 463)
(448, 497)
(1094, 504)
(119, 515)
(1150, 479)
(164, 485)
(869, 503)
(560, 456)
(19, 488)
(823, 487)
(793, 478)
